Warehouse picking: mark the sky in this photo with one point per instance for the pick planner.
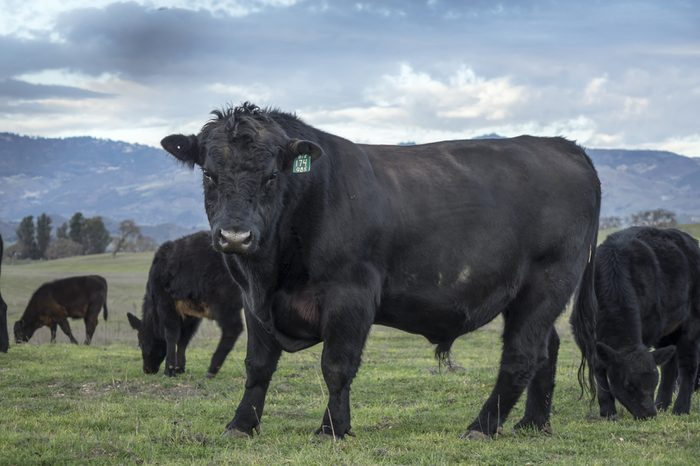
(608, 74)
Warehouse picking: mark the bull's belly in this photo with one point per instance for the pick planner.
(438, 314)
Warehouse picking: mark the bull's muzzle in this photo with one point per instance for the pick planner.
(232, 241)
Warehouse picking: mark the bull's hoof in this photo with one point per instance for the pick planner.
(528, 424)
(475, 435)
(235, 433)
(663, 405)
(326, 432)
(210, 375)
(171, 371)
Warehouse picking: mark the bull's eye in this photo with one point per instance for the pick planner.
(271, 178)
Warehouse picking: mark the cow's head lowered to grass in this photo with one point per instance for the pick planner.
(246, 159)
(633, 376)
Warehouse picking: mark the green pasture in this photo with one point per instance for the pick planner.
(66, 404)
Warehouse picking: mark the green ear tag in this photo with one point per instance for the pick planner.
(302, 164)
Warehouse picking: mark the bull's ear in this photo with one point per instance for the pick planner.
(606, 354)
(134, 321)
(299, 155)
(661, 356)
(184, 148)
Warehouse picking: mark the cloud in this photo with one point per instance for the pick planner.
(27, 91)
(386, 71)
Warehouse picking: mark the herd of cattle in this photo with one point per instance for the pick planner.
(317, 238)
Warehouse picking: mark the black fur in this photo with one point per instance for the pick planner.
(647, 283)
(4, 337)
(52, 303)
(435, 239)
(189, 272)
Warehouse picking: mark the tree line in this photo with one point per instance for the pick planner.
(78, 236)
(660, 218)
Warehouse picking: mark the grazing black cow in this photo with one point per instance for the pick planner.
(4, 337)
(647, 284)
(188, 281)
(53, 302)
(326, 237)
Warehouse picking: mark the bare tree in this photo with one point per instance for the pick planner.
(127, 229)
(609, 222)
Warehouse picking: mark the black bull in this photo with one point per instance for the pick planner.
(435, 239)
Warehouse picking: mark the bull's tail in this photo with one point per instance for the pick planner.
(583, 322)
(104, 305)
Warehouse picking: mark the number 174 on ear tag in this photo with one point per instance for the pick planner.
(302, 164)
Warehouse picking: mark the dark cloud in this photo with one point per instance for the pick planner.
(28, 91)
(323, 56)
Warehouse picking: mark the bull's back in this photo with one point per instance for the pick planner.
(650, 271)
(72, 296)
(472, 203)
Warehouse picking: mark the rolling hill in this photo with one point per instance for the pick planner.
(118, 180)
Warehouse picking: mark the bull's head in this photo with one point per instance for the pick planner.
(247, 161)
(153, 350)
(633, 376)
(22, 332)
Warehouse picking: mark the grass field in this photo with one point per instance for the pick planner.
(66, 404)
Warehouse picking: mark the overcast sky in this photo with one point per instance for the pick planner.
(605, 73)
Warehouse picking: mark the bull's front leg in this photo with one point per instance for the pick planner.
(65, 326)
(606, 400)
(347, 314)
(172, 337)
(262, 355)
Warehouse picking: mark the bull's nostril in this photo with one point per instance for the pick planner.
(235, 238)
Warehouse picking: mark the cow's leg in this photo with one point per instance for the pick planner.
(90, 326)
(606, 400)
(53, 328)
(669, 374)
(687, 371)
(229, 335)
(539, 392)
(262, 356)
(348, 313)
(529, 319)
(172, 330)
(186, 334)
(65, 326)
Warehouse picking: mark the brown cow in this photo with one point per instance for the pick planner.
(54, 302)
(4, 338)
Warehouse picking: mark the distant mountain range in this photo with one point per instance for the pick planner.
(118, 181)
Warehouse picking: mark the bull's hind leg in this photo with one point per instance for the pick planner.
(686, 351)
(53, 328)
(539, 392)
(90, 326)
(65, 326)
(529, 321)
